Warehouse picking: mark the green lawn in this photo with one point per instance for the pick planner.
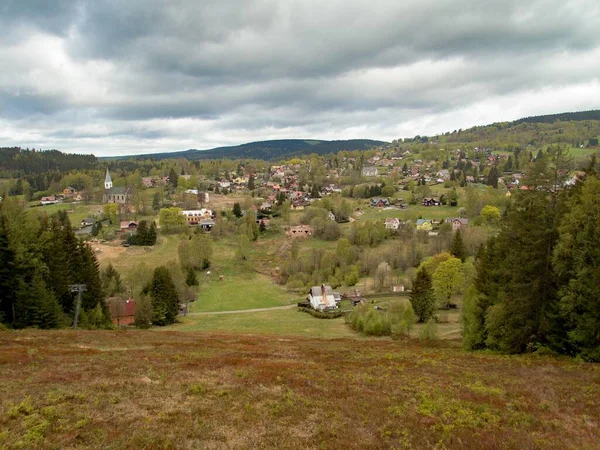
(290, 322)
(78, 211)
(246, 290)
(413, 212)
(581, 154)
(162, 253)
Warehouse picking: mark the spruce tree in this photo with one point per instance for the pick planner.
(173, 178)
(141, 235)
(458, 248)
(422, 296)
(237, 210)
(576, 258)
(251, 182)
(165, 300)
(9, 274)
(152, 234)
(37, 306)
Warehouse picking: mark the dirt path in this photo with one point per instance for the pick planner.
(240, 311)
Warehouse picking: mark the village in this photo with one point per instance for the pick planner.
(396, 192)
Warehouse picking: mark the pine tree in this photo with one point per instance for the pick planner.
(458, 248)
(251, 182)
(237, 210)
(422, 297)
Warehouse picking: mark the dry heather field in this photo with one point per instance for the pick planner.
(159, 390)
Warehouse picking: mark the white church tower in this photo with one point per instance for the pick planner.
(107, 181)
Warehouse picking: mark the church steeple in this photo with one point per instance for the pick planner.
(107, 180)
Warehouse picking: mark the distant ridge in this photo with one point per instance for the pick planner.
(593, 114)
(266, 150)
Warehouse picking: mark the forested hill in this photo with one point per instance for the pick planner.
(575, 129)
(269, 150)
(563, 117)
(15, 161)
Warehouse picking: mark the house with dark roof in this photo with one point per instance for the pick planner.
(430, 201)
(379, 202)
(458, 223)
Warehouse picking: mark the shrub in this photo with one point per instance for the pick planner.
(429, 331)
(322, 314)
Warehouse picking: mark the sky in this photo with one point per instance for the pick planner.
(115, 77)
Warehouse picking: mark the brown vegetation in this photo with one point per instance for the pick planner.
(145, 389)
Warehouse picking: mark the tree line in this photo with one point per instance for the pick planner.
(40, 257)
(537, 282)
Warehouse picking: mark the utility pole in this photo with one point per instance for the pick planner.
(79, 288)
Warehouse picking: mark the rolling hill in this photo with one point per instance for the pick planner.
(267, 150)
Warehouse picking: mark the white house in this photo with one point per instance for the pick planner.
(369, 171)
(323, 297)
(392, 223)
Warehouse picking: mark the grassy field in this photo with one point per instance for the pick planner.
(76, 211)
(287, 322)
(413, 212)
(245, 291)
(123, 259)
(149, 390)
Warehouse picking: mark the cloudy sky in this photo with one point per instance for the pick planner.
(128, 77)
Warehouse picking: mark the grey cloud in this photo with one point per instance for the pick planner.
(233, 67)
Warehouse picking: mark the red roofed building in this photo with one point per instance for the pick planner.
(122, 312)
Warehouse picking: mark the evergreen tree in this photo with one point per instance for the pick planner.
(458, 248)
(453, 197)
(156, 202)
(422, 297)
(141, 234)
(9, 274)
(37, 306)
(314, 193)
(111, 281)
(517, 285)
(173, 178)
(493, 177)
(576, 260)
(237, 210)
(165, 300)
(143, 312)
(152, 234)
(191, 279)
(251, 182)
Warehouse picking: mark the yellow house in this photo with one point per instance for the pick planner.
(424, 224)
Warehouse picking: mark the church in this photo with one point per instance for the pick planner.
(119, 195)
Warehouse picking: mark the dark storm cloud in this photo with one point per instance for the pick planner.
(181, 70)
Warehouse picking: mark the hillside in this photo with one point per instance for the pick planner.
(573, 129)
(268, 150)
(150, 389)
